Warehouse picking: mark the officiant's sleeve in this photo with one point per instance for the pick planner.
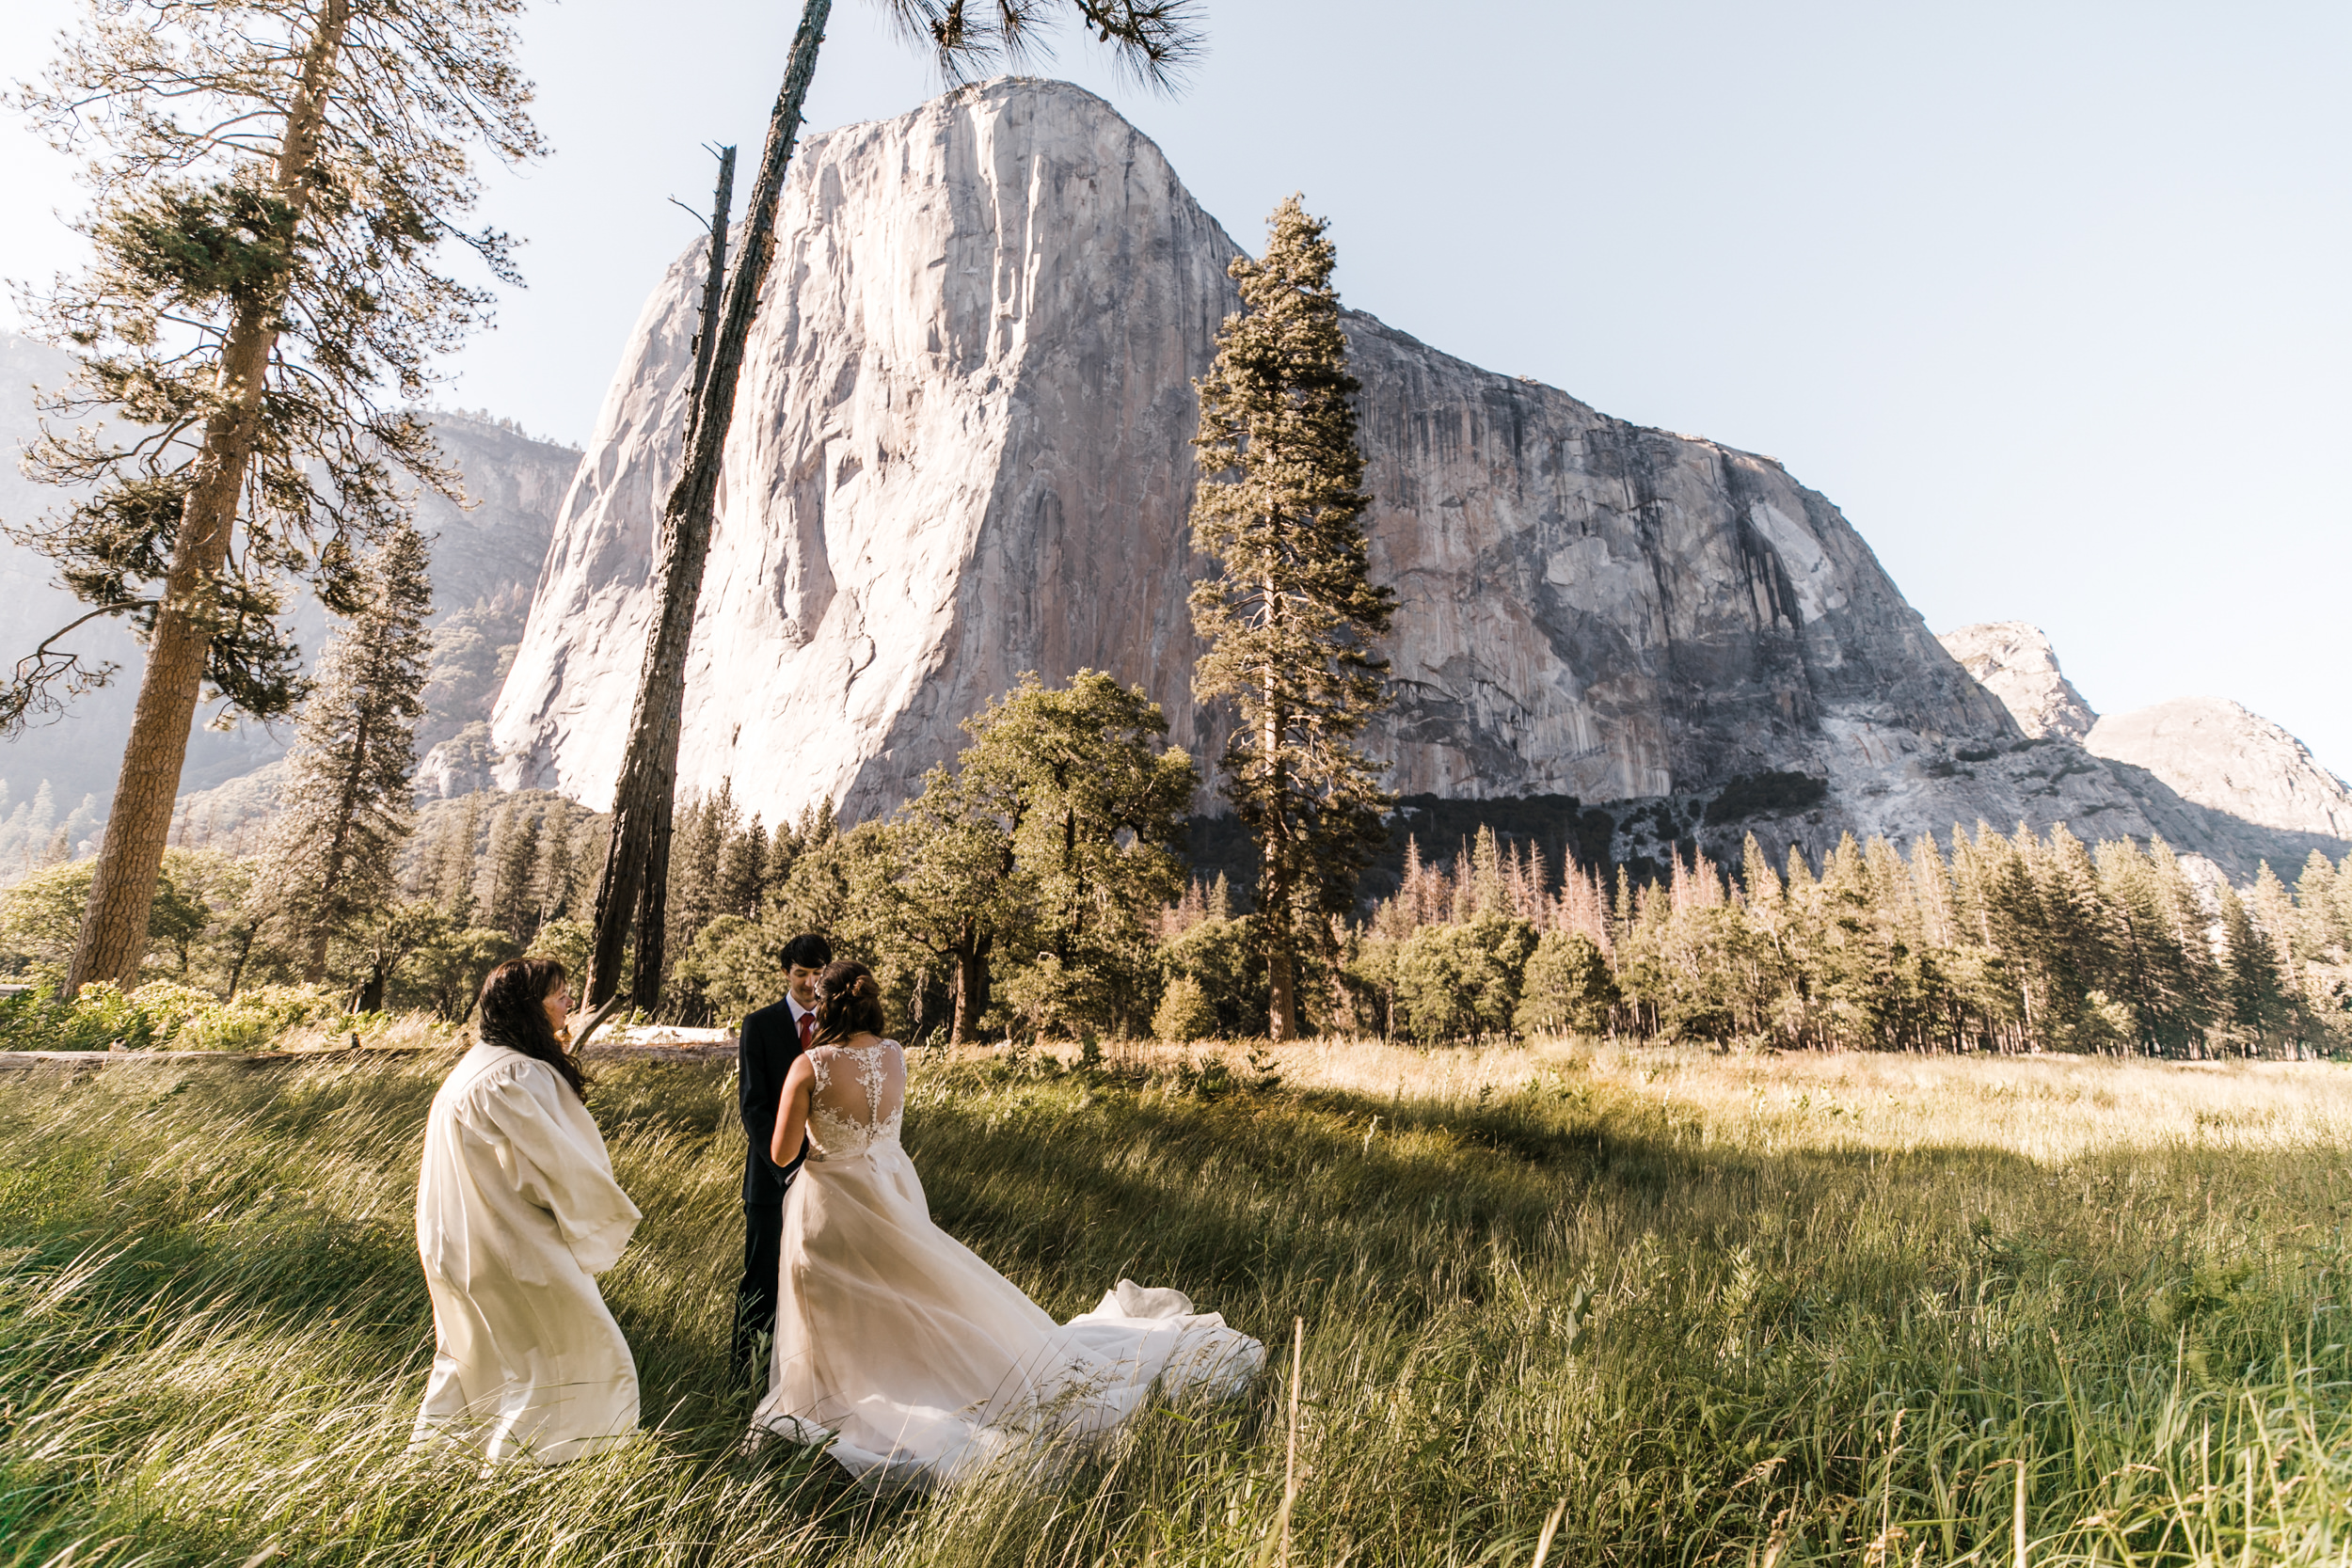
(551, 1153)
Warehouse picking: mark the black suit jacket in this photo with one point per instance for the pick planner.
(763, 1054)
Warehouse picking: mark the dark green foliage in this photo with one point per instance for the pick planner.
(1566, 988)
(1226, 970)
(215, 243)
(1020, 889)
(1456, 982)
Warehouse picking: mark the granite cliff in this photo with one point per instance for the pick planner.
(2015, 662)
(962, 451)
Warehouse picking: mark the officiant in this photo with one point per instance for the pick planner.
(773, 1037)
(516, 1213)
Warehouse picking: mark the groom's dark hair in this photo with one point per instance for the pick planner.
(807, 951)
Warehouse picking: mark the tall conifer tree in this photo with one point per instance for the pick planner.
(346, 799)
(1290, 613)
(273, 181)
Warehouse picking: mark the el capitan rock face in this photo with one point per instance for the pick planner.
(962, 451)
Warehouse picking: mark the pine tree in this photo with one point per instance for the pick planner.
(2078, 944)
(38, 828)
(454, 863)
(2315, 911)
(552, 872)
(589, 834)
(1290, 613)
(2256, 1000)
(506, 898)
(344, 807)
(2273, 908)
(693, 899)
(274, 180)
(742, 865)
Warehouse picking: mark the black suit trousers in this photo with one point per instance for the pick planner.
(755, 1298)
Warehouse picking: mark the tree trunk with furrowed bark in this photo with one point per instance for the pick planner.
(113, 941)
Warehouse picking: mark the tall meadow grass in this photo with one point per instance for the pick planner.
(1736, 1310)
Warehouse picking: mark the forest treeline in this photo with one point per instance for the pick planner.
(1066, 922)
(2017, 943)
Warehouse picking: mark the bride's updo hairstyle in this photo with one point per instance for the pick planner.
(514, 1014)
(849, 1003)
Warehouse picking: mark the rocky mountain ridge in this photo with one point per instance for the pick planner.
(962, 451)
(486, 560)
(2014, 661)
(2212, 753)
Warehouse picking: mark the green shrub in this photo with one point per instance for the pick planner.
(736, 964)
(257, 1019)
(1219, 957)
(162, 1014)
(1185, 1014)
(1566, 988)
(569, 943)
(1457, 981)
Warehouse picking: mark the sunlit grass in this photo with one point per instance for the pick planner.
(1730, 1309)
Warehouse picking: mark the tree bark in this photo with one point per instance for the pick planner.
(971, 998)
(636, 865)
(113, 940)
(651, 917)
(714, 283)
(1274, 879)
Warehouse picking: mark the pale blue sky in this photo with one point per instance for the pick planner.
(2050, 298)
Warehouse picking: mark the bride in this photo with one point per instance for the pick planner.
(917, 1363)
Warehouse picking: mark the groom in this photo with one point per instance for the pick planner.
(773, 1037)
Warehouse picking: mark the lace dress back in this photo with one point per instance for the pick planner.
(860, 1098)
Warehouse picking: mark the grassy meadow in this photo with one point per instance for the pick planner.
(1752, 1310)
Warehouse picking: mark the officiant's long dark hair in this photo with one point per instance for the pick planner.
(849, 1003)
(514, 1014)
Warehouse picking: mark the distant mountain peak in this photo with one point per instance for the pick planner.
(2219, 754)
(2014, 661)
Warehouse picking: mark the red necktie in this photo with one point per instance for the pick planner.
(808, 1029)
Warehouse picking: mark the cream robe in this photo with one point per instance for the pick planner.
(517, 1209)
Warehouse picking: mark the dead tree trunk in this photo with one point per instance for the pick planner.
(714, 280)
(651, 918)
(636, 867)
(113, 940)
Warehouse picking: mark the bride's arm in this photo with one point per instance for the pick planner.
(792, 1113)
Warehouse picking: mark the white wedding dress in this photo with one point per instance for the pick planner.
(916, 1362)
